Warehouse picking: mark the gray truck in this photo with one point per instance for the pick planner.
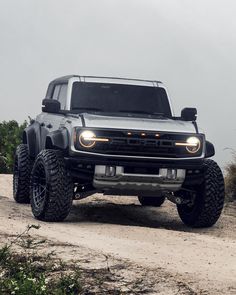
(116, 136)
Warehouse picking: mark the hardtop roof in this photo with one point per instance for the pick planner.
(65, 79)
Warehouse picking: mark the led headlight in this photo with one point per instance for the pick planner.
(88, 139)
(192, 144)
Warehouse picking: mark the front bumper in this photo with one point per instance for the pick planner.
(115, 178)
(75, 160)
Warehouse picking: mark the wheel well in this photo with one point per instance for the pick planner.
(24, 137)
(48, 143)
(29, 137)
(57, 140)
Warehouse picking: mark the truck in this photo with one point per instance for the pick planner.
(116, 136)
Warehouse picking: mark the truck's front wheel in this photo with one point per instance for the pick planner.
(209, 199)
(51, 187)
(151, 201)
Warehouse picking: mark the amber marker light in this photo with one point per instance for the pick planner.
(143, 134)
(129, 133)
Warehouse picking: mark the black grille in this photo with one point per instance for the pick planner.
(141, 143)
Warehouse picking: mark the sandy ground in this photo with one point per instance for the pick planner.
(147, 245)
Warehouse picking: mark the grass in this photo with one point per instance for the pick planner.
(25, 269)
(29, 273)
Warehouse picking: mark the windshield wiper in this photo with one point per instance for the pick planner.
(87, 109)
(142, 112)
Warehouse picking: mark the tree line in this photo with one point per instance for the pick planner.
(10, 137)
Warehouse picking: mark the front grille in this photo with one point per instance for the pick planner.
(135, 144)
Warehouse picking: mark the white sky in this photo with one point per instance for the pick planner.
(189, 45)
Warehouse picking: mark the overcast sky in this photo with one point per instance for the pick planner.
(189, 45)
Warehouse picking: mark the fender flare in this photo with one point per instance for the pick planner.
(58, 139)
(210, 149)
(30, 138)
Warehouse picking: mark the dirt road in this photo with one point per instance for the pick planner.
(149, 241)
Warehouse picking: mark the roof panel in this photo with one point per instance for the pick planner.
(100, 79)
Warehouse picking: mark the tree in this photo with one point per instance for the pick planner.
(10, 138)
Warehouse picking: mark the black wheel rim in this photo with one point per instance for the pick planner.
(16, 175)
(39, 186)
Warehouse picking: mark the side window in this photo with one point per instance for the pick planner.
(56, 91)
(63, 96)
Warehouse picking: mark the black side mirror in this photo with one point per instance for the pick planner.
(51, 106)
(189, 114)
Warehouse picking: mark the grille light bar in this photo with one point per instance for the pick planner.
(185, 144)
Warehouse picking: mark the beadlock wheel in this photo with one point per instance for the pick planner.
(209, 200)
(39, 186)
(51, 187)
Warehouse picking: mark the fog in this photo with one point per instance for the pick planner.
(189, 45)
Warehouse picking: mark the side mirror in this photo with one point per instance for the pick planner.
(51, 106)
(189, 114)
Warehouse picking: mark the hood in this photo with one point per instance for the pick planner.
(130, 123)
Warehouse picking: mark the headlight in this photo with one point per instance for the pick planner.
(88, 139)
(192, 144)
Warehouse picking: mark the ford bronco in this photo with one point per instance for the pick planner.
(116, 136)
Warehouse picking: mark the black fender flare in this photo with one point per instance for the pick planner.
(210, 149)
(30, 138)
(58, 139)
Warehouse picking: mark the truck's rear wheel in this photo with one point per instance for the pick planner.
(51, 187)
(151, 201)
(21, 174)
(209, 200)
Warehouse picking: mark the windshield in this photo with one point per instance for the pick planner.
(115, 98)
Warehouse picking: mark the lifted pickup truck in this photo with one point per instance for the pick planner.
(119, 137)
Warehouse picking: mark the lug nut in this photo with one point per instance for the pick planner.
(178, 200)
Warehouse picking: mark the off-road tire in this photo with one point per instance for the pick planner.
(21, 174)
(209, 200)
(51, 192)
(151, 201)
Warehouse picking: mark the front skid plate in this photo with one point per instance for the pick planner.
(116, 178)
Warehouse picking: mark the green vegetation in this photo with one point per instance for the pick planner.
(28, 267)
(10, 137)
(30, 273)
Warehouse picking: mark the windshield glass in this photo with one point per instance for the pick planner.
(115, 98)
